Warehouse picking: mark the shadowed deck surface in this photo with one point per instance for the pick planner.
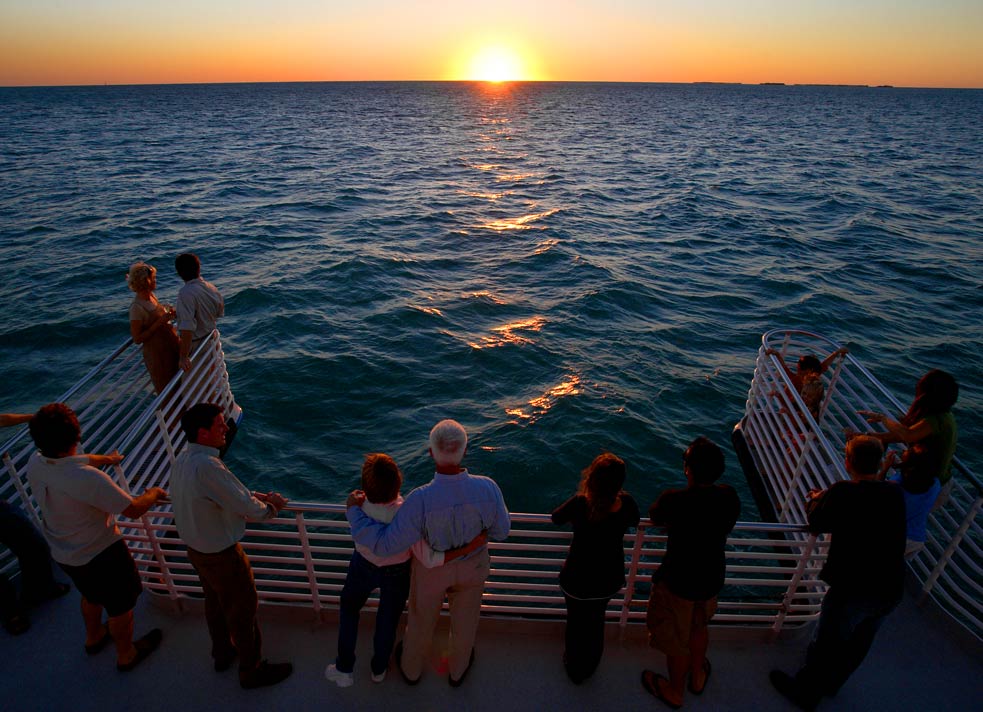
(915, 664)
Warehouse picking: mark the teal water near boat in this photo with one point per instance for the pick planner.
(564, 268)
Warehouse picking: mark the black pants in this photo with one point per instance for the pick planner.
(584, 636)
(843, 637)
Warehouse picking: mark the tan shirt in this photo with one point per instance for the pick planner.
(78, 505)
(211, 506)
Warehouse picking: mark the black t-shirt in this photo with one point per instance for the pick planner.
(867, 521)
(595, 566)
(698, 518)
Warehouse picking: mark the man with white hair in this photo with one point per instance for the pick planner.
(447, 513)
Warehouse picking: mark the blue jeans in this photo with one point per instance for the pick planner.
(363, 578)
(846, 629)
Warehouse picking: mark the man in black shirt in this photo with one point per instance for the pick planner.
(685, 586)
(865, 571)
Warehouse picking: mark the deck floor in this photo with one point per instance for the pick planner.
(915, 665)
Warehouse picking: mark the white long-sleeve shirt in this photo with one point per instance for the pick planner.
(211, 506)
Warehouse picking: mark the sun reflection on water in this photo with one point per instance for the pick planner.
(519, 223)
(511, 333)
(540, 405)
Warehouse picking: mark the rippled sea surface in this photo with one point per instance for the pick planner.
(564, 268)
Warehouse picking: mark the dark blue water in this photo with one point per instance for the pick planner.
(564, 268)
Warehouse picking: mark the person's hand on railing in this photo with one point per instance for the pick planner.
(273, 498)
(110, 460)
(355, 499)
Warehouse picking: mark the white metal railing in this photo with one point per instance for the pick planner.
(794, 453)
(301, 557)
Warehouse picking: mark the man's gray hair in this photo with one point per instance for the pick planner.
(448, 441)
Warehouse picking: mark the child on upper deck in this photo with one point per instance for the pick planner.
(916, 477)
(807, 379)
(381, 480)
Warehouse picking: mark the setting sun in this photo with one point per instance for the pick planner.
(496, 64)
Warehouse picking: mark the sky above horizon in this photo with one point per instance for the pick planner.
(899, 42)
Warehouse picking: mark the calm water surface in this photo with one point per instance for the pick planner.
(564, 268)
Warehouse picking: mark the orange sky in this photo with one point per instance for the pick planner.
(902, 42)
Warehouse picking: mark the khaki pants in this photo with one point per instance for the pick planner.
(463, 582)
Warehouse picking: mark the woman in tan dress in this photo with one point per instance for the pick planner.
(150, 326)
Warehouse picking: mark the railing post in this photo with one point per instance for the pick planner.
(636, 552)
(162, 424)
(797, 475)
(21, 491)
(793, 584)
(165, 571)
(147, 527)
(957, 538)
(833, 382)
(305, 545)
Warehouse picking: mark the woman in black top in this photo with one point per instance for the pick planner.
(594, 571)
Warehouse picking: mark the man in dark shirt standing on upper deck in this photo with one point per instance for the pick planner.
(865, 571)
(684, 588)
(199, 305)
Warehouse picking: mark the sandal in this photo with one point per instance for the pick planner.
(96, 648)
(144, 647)
(650, 681)
(706, 678)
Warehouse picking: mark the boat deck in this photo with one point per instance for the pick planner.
(915, 664)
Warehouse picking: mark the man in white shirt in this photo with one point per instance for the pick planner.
(79, 504)
(199, 305)
(211, 508)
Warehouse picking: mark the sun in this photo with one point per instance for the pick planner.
(496, 64)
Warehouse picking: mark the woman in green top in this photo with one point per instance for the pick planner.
(929, 422)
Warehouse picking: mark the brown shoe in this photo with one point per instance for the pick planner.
(265, 675)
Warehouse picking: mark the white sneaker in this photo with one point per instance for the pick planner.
(341, 679)
(380, 677)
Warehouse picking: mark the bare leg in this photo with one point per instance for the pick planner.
(699, 640)
(121, 628)
(678, 666)
(95, 629)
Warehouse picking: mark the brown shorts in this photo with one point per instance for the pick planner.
(672, 620)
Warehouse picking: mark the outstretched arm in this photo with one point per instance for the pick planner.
(9, 419)
(832, 357)
(104, 460)
(895, 431)
(139, 506)
(781, 362)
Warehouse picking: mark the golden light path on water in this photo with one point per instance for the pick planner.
(540, 405)
(510, 333)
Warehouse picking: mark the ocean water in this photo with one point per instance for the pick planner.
(564, 268)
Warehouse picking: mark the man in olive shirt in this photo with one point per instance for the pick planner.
(79, 504)
(864, 569)
(211, 507)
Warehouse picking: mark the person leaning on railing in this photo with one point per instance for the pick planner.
(928, 422)
(79, 504)
(699, 519)
(211, 507)
(864, 570)
(25, 542)
(594, 571)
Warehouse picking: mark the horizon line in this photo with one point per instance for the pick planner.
(484, 81)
